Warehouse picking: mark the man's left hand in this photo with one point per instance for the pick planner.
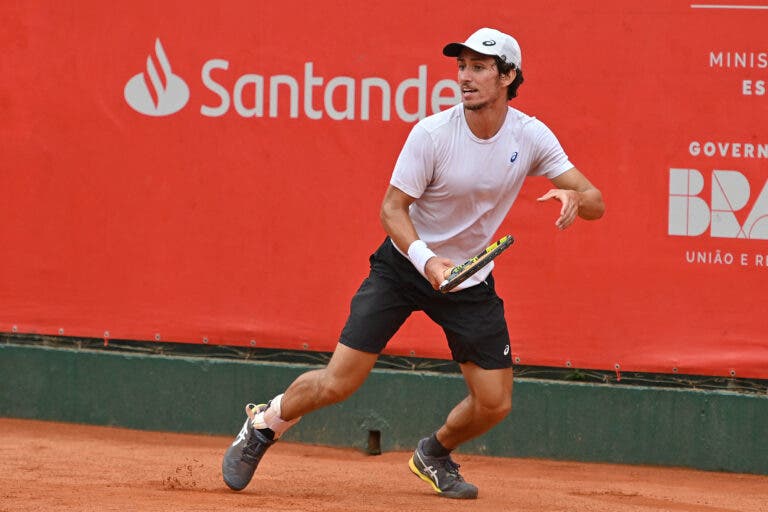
(570, 199)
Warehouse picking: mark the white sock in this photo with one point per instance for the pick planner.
(271, 419)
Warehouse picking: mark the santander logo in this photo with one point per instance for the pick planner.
(163, 94)
(158, 92)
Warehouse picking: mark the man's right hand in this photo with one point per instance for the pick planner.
(436, 270)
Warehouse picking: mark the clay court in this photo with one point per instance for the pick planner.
(52, 466)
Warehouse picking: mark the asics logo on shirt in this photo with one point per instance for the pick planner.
(513, 158)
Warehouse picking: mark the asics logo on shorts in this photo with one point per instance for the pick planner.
(506, 350)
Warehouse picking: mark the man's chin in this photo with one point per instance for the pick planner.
(475, 106)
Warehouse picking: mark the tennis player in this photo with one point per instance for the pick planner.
(454, 182)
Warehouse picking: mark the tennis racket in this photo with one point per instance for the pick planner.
(460, 273)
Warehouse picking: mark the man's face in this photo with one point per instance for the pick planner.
(480, 82)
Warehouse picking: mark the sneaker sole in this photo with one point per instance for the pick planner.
(421, 475)
(415, 471)
(235, 487)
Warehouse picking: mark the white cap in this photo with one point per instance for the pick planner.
(489, 41)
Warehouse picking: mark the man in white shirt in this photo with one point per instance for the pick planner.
(455, 180)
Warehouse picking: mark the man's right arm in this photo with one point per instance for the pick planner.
(396, 220)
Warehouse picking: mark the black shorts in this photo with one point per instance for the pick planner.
(472, 319)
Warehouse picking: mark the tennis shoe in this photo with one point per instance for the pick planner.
(245, 452)
(442, 473)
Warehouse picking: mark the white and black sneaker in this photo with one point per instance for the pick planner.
(245, 452)
(442, 473)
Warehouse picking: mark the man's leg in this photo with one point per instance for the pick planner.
(377, 311)
(489, 401)
(345, 373)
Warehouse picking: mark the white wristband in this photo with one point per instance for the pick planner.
(419, 253)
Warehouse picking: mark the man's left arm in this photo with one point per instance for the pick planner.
(578, 198)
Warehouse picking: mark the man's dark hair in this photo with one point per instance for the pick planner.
(506, 68)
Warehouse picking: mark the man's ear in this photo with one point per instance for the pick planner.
(509, 77)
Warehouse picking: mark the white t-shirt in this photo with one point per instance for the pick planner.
(464, 186)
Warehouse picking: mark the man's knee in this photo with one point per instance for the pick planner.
(494, 408)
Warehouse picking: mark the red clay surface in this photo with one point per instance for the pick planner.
(53, 466)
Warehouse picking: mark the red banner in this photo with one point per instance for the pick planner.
(191, 172)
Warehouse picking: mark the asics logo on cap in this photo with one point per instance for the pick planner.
(157, 92)
(490, 42)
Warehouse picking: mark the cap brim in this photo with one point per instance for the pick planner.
(453, 49)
